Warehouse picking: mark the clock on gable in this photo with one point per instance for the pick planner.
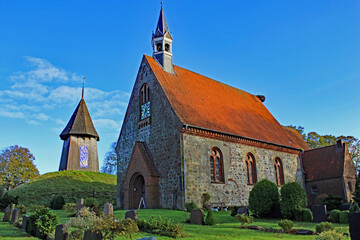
(145, 110)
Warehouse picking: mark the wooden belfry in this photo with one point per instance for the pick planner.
(80, 141)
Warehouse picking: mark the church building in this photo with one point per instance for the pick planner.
(185, 134)
(80, 138)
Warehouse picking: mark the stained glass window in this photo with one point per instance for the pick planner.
(145, 110)
(84, 157)
(279, 172)
(216, 166)
(251, 168)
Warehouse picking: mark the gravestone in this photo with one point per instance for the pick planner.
(79, 206)
(12, 206)
(25, 223)
(61, 232)
(197, 217)
(319, 212)
(147, 238)
(7, 214)
(14, 216)
(90, 235)
(108, 210)
(243, 210)
(132, 214)
(354, 223)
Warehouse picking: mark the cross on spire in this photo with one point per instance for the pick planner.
(82, 95)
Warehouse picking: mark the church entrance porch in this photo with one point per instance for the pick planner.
(137, 191)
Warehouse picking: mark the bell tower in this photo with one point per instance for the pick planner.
(162, 44)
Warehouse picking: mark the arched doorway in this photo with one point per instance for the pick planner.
(137, 190)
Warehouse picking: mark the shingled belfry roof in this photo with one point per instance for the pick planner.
(162, 26)
(80, 123)
(205, 103)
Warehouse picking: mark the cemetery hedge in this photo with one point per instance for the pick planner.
(69, 184)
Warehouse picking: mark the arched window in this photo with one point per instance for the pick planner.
(144, 101)
(251, 168)
(279, 172)
(216, 165)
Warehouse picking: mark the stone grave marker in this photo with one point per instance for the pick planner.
(12, 206)
(319, 212)
(79, 206)
(25, 223)
(197, 217)
(108, 210)
(354, 223)
(243, 210)
(132, 214)
(90, 235)
(7, 214)
(61, 232)
(14, 216)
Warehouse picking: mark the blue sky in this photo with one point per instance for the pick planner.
(304, 56)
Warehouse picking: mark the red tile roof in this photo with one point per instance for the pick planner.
(203, 102)
(324, 163)
(298, 138)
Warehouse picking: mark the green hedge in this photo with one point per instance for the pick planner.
(293, 197)
(263, 196)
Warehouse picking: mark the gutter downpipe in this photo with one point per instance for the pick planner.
(183, 156)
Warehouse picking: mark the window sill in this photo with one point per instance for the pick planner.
(217, 182)
(143, 123)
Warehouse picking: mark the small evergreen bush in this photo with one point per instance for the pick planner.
(263, 196)
(324, 226)
(293, 197)
(44, 220)
(244, 219)
(162, 226)
(190, 206)
(57, 202)
(307, 215)
(205, 198)
(90, 202)
(69, 207)
(334, 215)
(330, 235)
(332, 202)
(22, 209)
(210, 219)
(234, 211)
(286, 225)
(34, 207)
(344, 217)
(298, 215)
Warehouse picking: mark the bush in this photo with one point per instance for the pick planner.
(324, 226)
(22, 209)
(44, 220)
(330, 235)
(6, 200)
(344, 217)
(33, 207)
(162, 226)
(332, 202)
(263, 196)
(210, 219)
(190, 206)
(286, 225)
(205, 198)
(90, 202)
(244, 219)
(57, 202)
(234, 211)
(293, 197)
(307, 215)
(69, 207)
(298, 215)
(334, 215)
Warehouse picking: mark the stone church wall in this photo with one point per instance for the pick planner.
(235, 190)
(161, 136)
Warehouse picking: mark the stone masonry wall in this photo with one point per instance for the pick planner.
(162, 137)
(235, 190)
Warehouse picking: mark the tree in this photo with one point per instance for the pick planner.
(16, 167)
(110, 160)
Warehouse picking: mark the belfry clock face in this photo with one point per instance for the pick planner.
(145, 110)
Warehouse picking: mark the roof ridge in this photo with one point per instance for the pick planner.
(320, 148)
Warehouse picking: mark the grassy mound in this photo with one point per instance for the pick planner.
(70, 184)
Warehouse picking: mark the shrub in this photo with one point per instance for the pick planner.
(307, 215)
(263, 196)
(57, 202)
(34, 207)
(244, 219)
(205, 198)
(293, 197)
(210, 219)
(69, 207)
(286, 225)
(332, 202)
(298, 215)
(90, 202)
(190, 206)
(22, 209)
(6, 200)
(324, 226)
(44, 220)
(330, 235)
(334, 215)
(344, 217)
(162, 226)
(234, 211)
(354, 207)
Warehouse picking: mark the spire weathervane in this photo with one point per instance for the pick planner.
(82, 95)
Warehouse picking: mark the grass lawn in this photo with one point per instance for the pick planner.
(227, 227)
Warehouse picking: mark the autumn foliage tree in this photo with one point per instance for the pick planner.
(16, 167)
